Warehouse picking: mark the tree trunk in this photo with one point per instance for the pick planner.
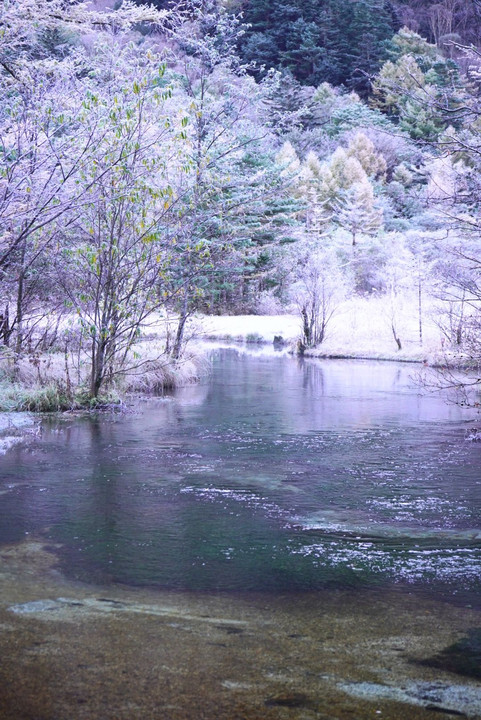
(97, 370)
(459, 333)
(306, 328)
(398, 341)
(19, 308)
(179, 338)
(420, 312)
(5, 329)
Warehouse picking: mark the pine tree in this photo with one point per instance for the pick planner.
(355, 210)
(334, 41)
(419, 88)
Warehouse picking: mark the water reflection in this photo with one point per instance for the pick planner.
(273, 474)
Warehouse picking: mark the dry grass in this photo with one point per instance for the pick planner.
(151, 371)
(361, 327)
(48, 383)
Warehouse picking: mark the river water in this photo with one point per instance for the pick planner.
(272, 475)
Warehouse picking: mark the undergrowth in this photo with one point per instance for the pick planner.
(47, 387)
(15, 397)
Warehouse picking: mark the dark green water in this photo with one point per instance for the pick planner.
(272, 475)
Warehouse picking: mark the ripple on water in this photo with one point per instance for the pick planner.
(455, 566)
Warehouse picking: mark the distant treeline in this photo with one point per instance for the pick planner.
(343, 42)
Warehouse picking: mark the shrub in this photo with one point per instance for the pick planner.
(254, 338)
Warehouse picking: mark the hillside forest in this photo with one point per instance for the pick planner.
(229, 157)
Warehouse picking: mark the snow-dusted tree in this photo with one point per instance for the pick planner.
(309, 188)
(456, 198)
(355, 210)
(45, 150)
(288, 160)
(345, 192)
(362, 148)
(421, 275)
(42, 157)
(456, 286)
(38, 31)
(345, 170)
(117, 253)
(230, 174)
(400, 283)
(419, 87)
(318, 291)
(395, 81)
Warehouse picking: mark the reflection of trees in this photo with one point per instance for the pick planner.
(313, 378)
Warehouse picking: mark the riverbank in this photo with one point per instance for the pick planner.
(360, 328)
(48, 384)
(76, 652)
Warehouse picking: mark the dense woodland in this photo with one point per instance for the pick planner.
(245, 156)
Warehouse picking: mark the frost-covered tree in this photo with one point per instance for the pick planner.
(116, 253)
(45, 152)
(356, 212)
(231, 171)
(318, 289)
(83, 182)
(372, 162)
(419, 87)
(36, 31)
(44, 155)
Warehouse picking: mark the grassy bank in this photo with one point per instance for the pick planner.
(361, 327)
(54, 381)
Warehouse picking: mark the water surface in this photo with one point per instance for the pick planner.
(272, 475)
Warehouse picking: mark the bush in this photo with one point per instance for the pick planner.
(254, 338)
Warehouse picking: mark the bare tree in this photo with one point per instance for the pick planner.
(318, 291)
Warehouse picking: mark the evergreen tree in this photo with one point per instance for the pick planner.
(419, 88)
(338, 42)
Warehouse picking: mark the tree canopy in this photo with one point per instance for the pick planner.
(156, 161)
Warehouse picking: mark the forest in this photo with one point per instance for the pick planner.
(229, 157)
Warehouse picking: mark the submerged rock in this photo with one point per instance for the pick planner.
(40, 606)
(34, 607)
(291, 700)
(463, 657)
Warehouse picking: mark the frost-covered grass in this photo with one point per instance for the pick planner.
(16, 397)
(35, 384)
(51, 382)
(152, 371)
(361, 327)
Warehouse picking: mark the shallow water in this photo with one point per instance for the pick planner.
(272, 475)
